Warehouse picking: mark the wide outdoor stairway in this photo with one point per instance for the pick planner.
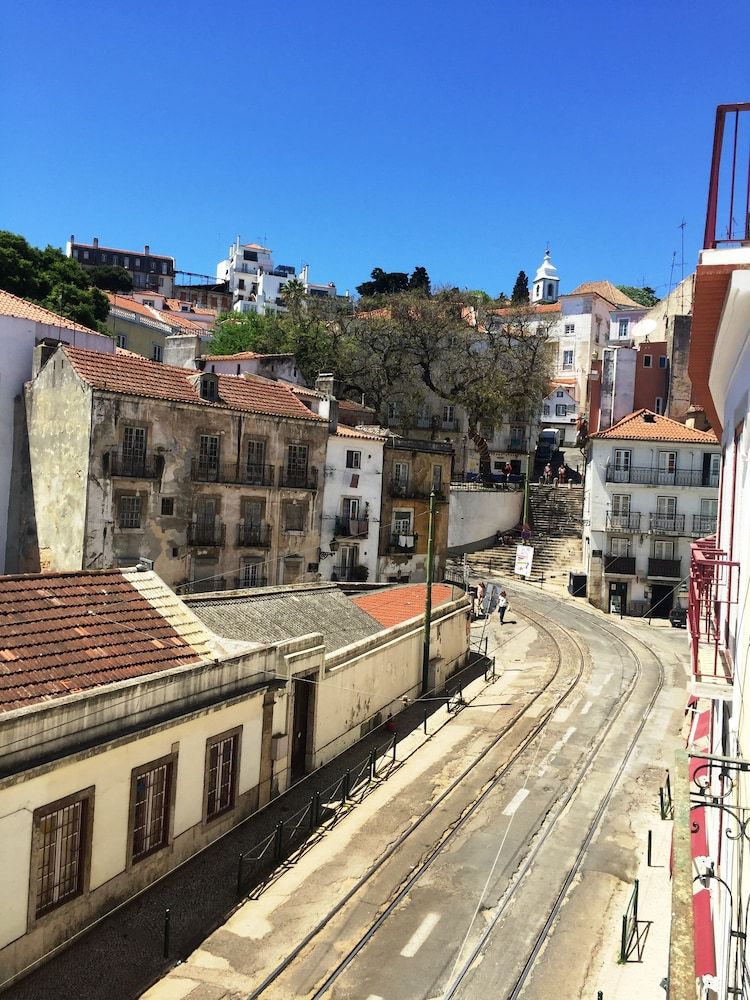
(556, 517)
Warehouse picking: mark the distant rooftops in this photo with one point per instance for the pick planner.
(95, 246)
(607, 291)
(645, 425)
(399, 604)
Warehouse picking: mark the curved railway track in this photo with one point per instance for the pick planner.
(427, 861)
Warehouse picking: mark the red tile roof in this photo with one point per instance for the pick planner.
(61, 633)
(524, 308)
(172, 319)
(399, 604)
(137, 376)
(12, 305)
(635, 428)
(352, 432)
(607, 291)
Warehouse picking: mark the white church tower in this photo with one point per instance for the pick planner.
(546, 282)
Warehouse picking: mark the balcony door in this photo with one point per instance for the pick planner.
(622, 465)
(708, 515)
(208, 458)
(400, 478)
(348, 559)
(296, 464)
(205, 517)
(663, 549)
(256, 454)
(134, 449)
(621, 511)
(619, 547)
(667, 467)
(666, 513)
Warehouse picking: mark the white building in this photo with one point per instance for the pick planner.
(23, 325)
(352, 491)
(560, 412)
(255, 282)
(651, 487)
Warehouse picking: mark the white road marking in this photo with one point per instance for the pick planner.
(608, 678)
(374, 996)
(586, 708)
(420, 935)
(568, 733)
(561, 715)
(515, 802)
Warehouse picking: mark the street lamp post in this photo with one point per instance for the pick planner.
(428, 597)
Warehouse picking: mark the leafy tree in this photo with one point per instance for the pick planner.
(384, 283)
(645, 295)
(52, 280)
(420, 281)
(112, 279)
(237, 332)
(520, 291)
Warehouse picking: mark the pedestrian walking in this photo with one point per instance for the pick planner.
(481, 589)
(526, 534)
(547, 473)
(502, 606)
(561, 475)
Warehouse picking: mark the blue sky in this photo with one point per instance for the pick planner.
(462, 137)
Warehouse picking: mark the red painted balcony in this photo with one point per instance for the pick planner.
(713, 587)
(728, 214)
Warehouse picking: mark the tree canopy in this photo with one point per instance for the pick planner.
(645, 295)
(520, 291)
(395, 283)
(52, 280)
(112, 279)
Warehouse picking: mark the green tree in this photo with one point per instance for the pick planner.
(645, 295)
(112, 279)
(52, 280)
(520, 291)
(237, 332)
(420, 281)
(384, 283)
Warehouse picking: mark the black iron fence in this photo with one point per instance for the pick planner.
(629, 924)
(324, 808)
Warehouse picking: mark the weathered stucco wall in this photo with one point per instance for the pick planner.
(476, 515)
(58, 413)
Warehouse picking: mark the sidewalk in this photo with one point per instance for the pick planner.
(123, 953)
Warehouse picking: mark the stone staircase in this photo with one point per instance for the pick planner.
(556, 516)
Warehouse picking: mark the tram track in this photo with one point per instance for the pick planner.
(426, 862)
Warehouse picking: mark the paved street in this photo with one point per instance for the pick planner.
(506, 862)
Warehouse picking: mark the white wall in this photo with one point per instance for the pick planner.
(476, 514)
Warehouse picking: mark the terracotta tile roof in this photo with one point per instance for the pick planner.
(241, 356)
(61, 633)
(635, 427)
(18, 308)
(352, 432)
(399, 604)
(348, 404)
(173, 320)
(527, 307)
(137, 376)
(606, 290)
(302, 390)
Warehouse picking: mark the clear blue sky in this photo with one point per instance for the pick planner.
(461, 137)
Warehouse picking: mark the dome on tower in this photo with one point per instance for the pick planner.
(546, 282)
(546, 269)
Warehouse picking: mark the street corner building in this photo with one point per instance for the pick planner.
(138, 728)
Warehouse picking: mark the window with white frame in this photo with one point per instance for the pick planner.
(559, 394)
(659, 405)
(561, 410)
(448, 414)
(619, 546)
(567, 361)
(570, 330)
(623, 326)
(129, 511)
(353, 459)
(663, 548)
(402, 521)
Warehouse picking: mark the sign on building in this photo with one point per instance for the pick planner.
(524, 560)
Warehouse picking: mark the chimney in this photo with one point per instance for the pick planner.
(649, 418)
(96, 243)
(72, 238)
(147, 250)
(326, 383)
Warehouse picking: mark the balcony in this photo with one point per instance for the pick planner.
(350, 527)
(704, 524)
(251, 580)
(623, 522)
(667, 569)
(713, 587)
(254, 535)
(298, 479)
(624, 565)
(351, 574)
(229, 472)
(132, 465)
(516, 446)
(211, 533)
(401, 543)
(667, 524)
(662, 477)
(398, 488)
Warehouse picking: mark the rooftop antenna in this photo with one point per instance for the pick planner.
(682, 259)
(671, 270)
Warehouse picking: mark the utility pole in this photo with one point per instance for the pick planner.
(428, 597)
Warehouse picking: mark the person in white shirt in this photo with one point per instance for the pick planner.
(502, 606)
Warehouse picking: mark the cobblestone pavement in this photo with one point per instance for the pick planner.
(123, 954)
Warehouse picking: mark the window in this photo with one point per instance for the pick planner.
(662, 361)
(167, 506)
(561, 410)
(550, 290)
(437, 478)
(209, 387)
(621, 504)
(222, 759)
(622, 466)
(559, 394)
(296, 463)
(156, 352)
(251, 574)
(402, 521)
(85, 255)
(392, 411)
(122, 340)
(400, 478)
(256, 456)
(667, 467)
(241, 284)
(448, 414)
(151, 807)
(666, 506)
(663, 549)
(659, 405)
(130, 512)
(353, 459)
(623, 328)
(647, 359)
(567, 359)
(570, 330)
(60, 845)
(545, 410)
(133, 449)
(619, 546)
(294, 517)
(208, 458)
(149, 302)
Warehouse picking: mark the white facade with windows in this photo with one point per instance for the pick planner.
(651, 487)
(352, 490)
(560, 412)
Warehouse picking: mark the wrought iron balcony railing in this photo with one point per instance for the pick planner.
(401, 543)
(625, 565)
(516, 445)
(623, 522)
(298, 479)
(704, 524)
(132, 465)
(351, 527)
(254, 535)
(249, 580)
(230, 472)
(348, 574)
(661, 477)
(668, 569)
(667, 524)
(206, 533)
(420, 491)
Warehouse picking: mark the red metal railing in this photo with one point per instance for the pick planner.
(728, 214)
(713, 586)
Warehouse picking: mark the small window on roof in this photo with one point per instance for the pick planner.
(209, 387)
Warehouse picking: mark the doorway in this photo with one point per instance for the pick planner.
(301, 727)
(662, 598)
(618, 597)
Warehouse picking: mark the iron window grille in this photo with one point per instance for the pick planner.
(130, 512)
(61, 850)
(222, 758)
(151, 812)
